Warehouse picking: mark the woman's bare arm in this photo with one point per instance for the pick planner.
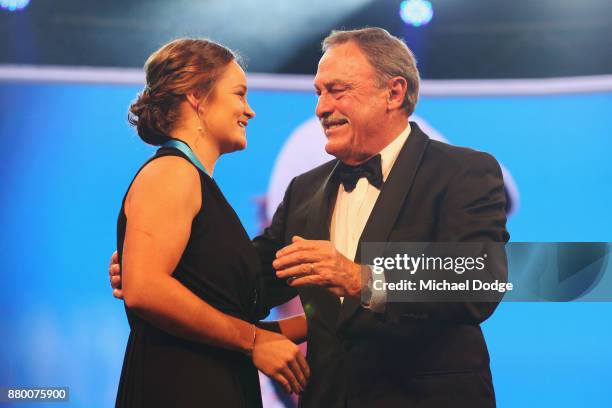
(295, 328)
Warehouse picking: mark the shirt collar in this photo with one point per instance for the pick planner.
(389, 154)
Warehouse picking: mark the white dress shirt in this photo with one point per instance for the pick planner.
(353, 209)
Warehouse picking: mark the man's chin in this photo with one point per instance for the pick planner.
(335, 150)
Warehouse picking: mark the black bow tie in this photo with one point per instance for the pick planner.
(372, 170)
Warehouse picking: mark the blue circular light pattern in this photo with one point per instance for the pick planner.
(416, 12)
(14, 5)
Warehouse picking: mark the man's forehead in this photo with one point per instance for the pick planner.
(342, 62)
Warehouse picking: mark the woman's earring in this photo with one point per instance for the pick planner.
(199, 119)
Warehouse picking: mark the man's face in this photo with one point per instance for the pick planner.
(350, 106)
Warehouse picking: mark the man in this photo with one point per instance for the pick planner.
(389, 183)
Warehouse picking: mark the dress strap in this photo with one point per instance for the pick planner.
(186, 150)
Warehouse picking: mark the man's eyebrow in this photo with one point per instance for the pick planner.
(335, 82)
(241, 86)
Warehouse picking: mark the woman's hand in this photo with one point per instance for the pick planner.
(281, 359)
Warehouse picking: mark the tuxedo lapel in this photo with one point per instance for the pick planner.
(320, 209)
(317, 300)
(390, 202)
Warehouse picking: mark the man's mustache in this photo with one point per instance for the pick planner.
(331, 121)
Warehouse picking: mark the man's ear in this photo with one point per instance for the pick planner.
(398, 87)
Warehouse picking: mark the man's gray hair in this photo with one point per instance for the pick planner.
(389, 55)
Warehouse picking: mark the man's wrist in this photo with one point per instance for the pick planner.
(366, 286)
(371, 299)
(357, 287)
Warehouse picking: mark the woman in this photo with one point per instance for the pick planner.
(189, 269)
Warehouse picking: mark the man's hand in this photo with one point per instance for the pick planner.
(307, 262)
(114, 272)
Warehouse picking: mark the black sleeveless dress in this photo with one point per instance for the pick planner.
(220, 265)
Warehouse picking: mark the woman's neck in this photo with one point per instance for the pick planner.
(205, 151)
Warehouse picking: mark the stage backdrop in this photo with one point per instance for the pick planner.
(68, 155)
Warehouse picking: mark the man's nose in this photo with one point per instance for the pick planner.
(324, 106)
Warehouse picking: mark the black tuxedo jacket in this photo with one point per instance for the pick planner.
(413, 354)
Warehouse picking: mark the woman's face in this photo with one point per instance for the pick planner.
(226, 111)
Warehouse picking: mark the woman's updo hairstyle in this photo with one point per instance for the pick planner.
(180, 67)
